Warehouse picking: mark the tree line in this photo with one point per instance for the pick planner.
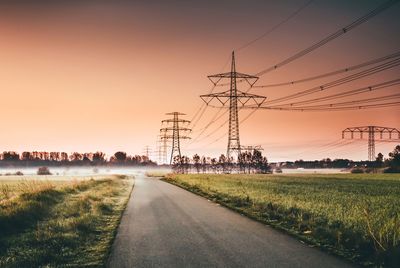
(37, 158)
(254, 162)
(248, 162)
(389, 164)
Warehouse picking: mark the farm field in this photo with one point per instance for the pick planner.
(356, 216)
(60, 220)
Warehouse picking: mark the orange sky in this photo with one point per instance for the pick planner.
(85, 77)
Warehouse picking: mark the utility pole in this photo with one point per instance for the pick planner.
(177, 131)
(372, 131)
(235, 97)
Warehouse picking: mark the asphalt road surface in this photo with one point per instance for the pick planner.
(166, 226)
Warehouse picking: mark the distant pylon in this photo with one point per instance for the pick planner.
(371, 130)
(162, 147)
(176, 130)
(147, 151)
(234, 96)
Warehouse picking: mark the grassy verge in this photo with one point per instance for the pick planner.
(353, 215)
(157, 173)
(47, 224)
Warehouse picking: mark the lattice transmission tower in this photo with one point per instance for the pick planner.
(386, 133)
(162, 147)
(147, 151)
(235, 98)
(176, 133)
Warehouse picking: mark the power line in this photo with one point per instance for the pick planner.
(332, 73)
(317, 108)
(332, 146)
(328, 106)
(215, 130)
(377, 99)
(213, 120)
(338, 82)
(206, 127)
(197, 112)
(204, 104)
(343, 94)
(203, 109)
(273, 28)
(331, 37)
(223, 124)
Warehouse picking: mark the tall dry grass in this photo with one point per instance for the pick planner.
(72, 224)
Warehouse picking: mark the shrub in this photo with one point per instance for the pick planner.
(357, 170)
(370, 170)
(392, 170)
(43, 171)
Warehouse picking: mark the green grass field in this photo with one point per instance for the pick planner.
(60, 221)
(353, 215)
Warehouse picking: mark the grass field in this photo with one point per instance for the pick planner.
(60, 222)
(354, 215)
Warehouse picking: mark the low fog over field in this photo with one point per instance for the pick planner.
(77, 171)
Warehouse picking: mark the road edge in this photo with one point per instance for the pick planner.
(115, 232)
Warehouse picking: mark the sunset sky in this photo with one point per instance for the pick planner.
(100, 75)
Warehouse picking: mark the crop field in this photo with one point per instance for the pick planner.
(60, 221)
(356, 216)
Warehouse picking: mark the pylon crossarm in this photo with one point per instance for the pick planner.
(252, 84)
(243, 103)
(171, 137)
(230, 74)
(206, 99)
(259, 100)
(376, 129)
(224, 97)
(171, 129)
(221, 101)
(175, 113)
(216, 81)
(371, 131)
(172, 121)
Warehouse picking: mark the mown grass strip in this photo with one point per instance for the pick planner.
(69, 226)
(355, 216)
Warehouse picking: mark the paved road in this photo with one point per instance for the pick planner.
(165, 226)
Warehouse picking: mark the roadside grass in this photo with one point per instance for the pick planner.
(356, 216)
(157, 173)
(69, 223)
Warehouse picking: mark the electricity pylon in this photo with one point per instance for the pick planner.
(162, 147)
(371, 130)
(176, 130)
(234, 96)
(147, 151)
